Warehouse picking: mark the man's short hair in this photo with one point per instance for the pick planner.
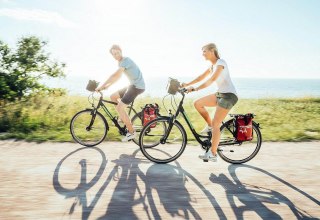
(115, 47)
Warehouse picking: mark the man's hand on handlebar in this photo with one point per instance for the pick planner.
(100, 88)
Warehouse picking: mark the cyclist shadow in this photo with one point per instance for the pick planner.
(159, 186)
(124, 196)
(164, 185)
(165, 179)
(253, 198)
(169, 183)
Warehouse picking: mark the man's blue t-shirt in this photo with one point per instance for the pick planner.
(133, 73)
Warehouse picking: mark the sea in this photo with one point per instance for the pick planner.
(248, 88)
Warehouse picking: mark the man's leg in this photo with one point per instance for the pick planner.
(118, 94)
(124, 116)
(115, 97)
(127, 98)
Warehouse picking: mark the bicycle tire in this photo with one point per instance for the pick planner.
(234, 153)
(82, 135)
(177, 141)
(137, 126)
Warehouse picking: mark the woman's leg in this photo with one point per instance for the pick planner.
(219, 116)
(206, 101)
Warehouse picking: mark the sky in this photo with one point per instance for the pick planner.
(257, 38)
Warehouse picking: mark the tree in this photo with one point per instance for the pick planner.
(21, 70)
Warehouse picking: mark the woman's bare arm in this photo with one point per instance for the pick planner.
(211, 79)
(198, 79)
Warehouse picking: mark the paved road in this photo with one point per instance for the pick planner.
(115, 181)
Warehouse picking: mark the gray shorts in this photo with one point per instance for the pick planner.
(226, 100)
(128, 94)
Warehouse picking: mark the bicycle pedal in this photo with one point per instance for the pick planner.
(205, 160)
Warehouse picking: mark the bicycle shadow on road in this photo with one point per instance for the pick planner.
(134, 187)
(164, 187)
(79, 192)
(254, 198)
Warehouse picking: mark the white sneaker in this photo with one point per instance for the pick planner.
(213, 158)
(206, 130)
(205, 155)
(129, 137)
(208, 157)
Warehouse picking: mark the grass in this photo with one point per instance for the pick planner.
(48, 118)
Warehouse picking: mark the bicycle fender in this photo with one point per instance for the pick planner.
(256, 124)
(227, 122)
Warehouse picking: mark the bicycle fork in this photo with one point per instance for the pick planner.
(93, 113)
(163, 140)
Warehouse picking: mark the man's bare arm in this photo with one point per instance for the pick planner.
(112, 79)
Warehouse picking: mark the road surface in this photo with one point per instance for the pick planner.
(115, 181)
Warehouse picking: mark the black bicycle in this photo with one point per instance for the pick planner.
(89, 127)
(173, 139)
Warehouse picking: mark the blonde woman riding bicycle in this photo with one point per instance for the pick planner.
(224, 99)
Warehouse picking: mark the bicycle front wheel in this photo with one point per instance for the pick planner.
(137, 126)
(88, 128)
(165, 152)
(137, 123)
(235, 152)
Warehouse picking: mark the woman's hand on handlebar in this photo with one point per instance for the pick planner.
(183, 85)
(190, 89)
(184, 90)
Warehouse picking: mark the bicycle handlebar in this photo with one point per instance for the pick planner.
(183, 90)
(101, 94)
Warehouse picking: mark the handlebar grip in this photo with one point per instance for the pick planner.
(183, 90)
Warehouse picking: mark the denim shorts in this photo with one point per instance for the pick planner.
(128, 94)
(226, 100)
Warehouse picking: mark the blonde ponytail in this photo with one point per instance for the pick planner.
(213, 48)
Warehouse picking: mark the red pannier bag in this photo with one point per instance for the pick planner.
(244, 130)
(150, 112)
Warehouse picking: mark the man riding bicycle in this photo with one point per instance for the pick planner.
(125, 95)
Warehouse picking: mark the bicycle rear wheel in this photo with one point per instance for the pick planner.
(238, 152)
(87, 128)
(163, 152)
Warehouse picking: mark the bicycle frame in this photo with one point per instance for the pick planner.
(114, 119)
(207, 141)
